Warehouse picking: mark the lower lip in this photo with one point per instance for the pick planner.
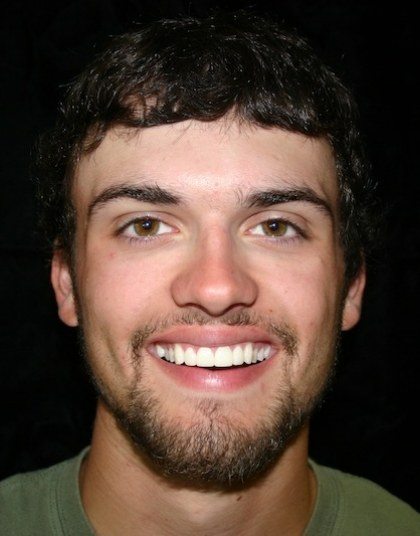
(207, 379)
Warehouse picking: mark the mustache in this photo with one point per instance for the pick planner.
(280, 330)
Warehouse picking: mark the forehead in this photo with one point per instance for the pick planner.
(217, 158)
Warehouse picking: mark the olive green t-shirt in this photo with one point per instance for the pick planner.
(47, 502)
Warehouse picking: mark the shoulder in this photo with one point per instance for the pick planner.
(361, 506)
(30, 502)
(33, 485)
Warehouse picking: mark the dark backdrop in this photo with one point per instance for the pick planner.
(368, 424)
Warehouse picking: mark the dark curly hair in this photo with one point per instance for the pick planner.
(175, 70)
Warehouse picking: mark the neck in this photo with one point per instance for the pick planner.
(122, 494)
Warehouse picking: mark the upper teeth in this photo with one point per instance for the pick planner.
(222, 356)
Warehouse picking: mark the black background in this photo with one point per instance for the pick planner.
(369, 422)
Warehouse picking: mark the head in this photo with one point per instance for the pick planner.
(214, 109)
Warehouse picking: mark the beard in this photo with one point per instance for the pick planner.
(214, 451)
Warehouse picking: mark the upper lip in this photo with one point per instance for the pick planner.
(211, 336)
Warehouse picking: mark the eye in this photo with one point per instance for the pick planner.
(146, 227)
(275, 228)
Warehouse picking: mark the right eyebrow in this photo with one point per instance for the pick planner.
(149, 193)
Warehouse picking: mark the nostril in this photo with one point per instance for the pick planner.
(213, 296)
(216, 279)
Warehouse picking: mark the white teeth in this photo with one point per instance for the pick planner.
(205, 357)
(248, 353)
(238, 356)
(160, 351)
(223, 356)
(179, 354)
(260, 354)
(190, 357)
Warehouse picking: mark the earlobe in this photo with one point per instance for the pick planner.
(353, 301)
(63, 288)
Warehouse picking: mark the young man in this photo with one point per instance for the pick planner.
(208, 205)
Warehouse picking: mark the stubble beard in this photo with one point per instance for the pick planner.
(214, 451)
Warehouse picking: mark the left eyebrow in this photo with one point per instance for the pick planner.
(267, 198)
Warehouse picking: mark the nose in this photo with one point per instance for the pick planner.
(215, 277)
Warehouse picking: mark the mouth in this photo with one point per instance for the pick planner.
(238, 355)
(213, 358)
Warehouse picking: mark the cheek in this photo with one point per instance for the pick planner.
(306, 295)
(119, 292)
(318, 310)
(117, 296)
(306, 291)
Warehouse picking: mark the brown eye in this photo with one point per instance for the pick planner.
(275, 227)
(146, 227)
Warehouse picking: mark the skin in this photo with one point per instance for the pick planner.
(212, 257)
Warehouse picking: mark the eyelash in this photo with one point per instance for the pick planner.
(300, 234)
(121, 230)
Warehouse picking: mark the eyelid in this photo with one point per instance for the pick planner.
(299, 230)
(296, 232)
(122, 228)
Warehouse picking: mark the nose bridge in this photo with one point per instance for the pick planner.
(215, 277)
(219, 256)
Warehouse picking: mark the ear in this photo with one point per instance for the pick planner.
(353, 302)
(63, 287)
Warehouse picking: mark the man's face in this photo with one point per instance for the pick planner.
(209, 286)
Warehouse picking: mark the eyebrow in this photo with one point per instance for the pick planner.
(268, 198)
(156, 195)
(149, 194)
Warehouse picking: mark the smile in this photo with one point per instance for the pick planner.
(222, 356)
